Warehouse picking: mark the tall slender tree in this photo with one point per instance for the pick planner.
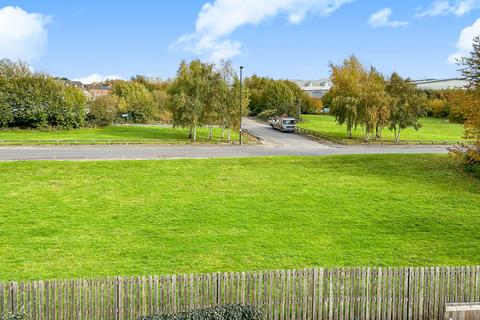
(408, 104)
(194, 94)
(346, 92)
(470, 68)
(374, 104)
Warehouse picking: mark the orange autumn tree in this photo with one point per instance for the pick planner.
(470, 69)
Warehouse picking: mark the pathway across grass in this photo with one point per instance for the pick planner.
(148, 134)
(91, 219)
(432, 129)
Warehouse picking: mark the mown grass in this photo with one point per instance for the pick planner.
(432, 129)
(165, 134)
(90, 219)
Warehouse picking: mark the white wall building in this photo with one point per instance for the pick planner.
(315, 88)
(442, 84)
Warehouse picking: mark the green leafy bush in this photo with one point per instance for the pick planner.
(469, 157)
(13, 316)
(36, 100)
(225, 312)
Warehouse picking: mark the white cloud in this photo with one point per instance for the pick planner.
(458, 8)
(220, 18)
(23, 35)
(465, 41)
(96, 77)
(381, 18)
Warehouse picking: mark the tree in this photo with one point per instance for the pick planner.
(190, 93)
(10, 69)
(346, 112)
(408, 104)
(6, 114)
(71, 110)
(305, 102)
(279, 97)
(270, 97)
(470, 65)
(103, 110)
(470, 68)
(257, 87)
(374, 105)
(35, 100)
(160, 99)
(135, 100)
(346, 92)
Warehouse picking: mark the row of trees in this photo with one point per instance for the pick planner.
(205, 94)
(447, 103)
(35, 100)
(202, 94)
(363, 97)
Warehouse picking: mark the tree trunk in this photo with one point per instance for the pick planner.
(195, 133)
(228, 134)
(210, 132)
(223, 132)
(379, 131)
(366, 135)
(397, 135)
(349, 133)
(190, 134)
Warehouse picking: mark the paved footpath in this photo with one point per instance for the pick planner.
(274, 143)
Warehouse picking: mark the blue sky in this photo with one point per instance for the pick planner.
(280, 39)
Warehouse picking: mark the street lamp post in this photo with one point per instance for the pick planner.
(241, 84)
(299, 109)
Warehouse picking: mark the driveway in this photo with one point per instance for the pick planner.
(275, 143)
(276, 138)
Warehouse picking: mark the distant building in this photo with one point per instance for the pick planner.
(315, 88)
(318, 88)
(441, 84)
(77, 84)
(154, 79)
(99, 89)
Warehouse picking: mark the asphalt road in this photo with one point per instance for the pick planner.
(274, 143)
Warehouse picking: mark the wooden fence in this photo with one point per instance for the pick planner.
(110, 141)
(318, 293)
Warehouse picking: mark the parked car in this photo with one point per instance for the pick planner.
(284, 124)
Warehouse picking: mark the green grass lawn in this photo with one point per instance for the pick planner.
(165, 134)
(432, 129)
(88, 219)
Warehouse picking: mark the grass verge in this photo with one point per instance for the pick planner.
(433, 129)
(90, 219)
(111, 135)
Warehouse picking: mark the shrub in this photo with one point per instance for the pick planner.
(469, 157)
(6, 114)
(135, 100)
(102, 111)
(13, 316)
(35, 100)
(225, 312)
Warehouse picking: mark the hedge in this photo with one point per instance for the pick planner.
(13, 316)
(224, 312)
